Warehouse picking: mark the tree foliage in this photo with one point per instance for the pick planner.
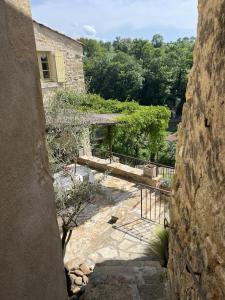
(64, 138)
(150, 72)
(72, 202)
(157, 41)
(142, 133)
(141, 129)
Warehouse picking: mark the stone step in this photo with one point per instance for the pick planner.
(131, 263)
(141, 280)
(125, 274)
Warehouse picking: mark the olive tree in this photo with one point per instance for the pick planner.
(65, 126)
(72, 203)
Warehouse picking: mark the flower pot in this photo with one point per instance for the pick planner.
(150, 171)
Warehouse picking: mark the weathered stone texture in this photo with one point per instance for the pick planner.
(198, 204)
(51, 41)
(30, 250)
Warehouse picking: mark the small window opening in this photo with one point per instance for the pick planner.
(44, 65)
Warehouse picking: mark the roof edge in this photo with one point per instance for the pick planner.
(58, 32)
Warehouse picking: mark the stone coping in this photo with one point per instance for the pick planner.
(119, 169)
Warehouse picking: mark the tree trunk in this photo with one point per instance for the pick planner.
(64, 235)
(65, 239)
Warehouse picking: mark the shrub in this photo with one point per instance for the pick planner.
(93, 103)
(165, 184)
(159, 245)
(167, 154)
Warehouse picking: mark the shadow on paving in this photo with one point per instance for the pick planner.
(138, 229)
(139, 279)
(108, 197)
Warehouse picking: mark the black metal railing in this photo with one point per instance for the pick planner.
(166, 171)
(154, 204)
(130, 160)
(100, 153)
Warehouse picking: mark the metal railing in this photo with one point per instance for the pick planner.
(165, 171)
(130, 160)
(154, 204)
(104, 154)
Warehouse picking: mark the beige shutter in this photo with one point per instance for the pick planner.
(60, 66)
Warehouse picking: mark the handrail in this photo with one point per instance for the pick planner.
(148, 187)
(145, 161)
(189, 268)
(131, 157)
(163, 170)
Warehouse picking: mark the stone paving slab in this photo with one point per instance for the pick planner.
(122, 270)
(96, 240)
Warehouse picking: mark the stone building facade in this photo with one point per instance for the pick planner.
(197, 234)
(60, 60)
(31, 265)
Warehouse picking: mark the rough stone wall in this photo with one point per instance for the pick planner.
(30, 252)
(198, 203)
(49, 40)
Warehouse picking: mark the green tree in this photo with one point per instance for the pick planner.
(72, 202)
(150, 72)
(92, 48)
(144, 129)
(64, 131)
(157, 40)
(123, 45)
(115, 76)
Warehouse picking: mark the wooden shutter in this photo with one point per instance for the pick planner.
(60, 66)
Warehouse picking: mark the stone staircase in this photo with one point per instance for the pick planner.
(127, 280)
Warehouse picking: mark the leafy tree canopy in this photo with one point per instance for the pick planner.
(141, 130)
(150, 72)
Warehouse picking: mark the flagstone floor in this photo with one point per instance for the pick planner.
(97, 240)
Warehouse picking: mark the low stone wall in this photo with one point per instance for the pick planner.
(119, 170)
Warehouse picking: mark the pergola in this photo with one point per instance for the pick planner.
(74, 118)
(108, 120)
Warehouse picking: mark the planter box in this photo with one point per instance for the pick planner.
(115, 159)
(149, 171)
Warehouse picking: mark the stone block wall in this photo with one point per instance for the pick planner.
(198, 204)
(31, 265)
(49, 40)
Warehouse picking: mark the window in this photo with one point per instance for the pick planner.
(44, 65)
(52, 66)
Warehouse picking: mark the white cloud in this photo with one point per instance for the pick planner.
(111, 17)
(89, 30)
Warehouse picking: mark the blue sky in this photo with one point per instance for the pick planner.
(106, 19)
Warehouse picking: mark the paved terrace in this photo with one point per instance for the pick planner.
(124, 266)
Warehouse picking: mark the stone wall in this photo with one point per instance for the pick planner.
(30, 250)
(51, 41)
(198, 203)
